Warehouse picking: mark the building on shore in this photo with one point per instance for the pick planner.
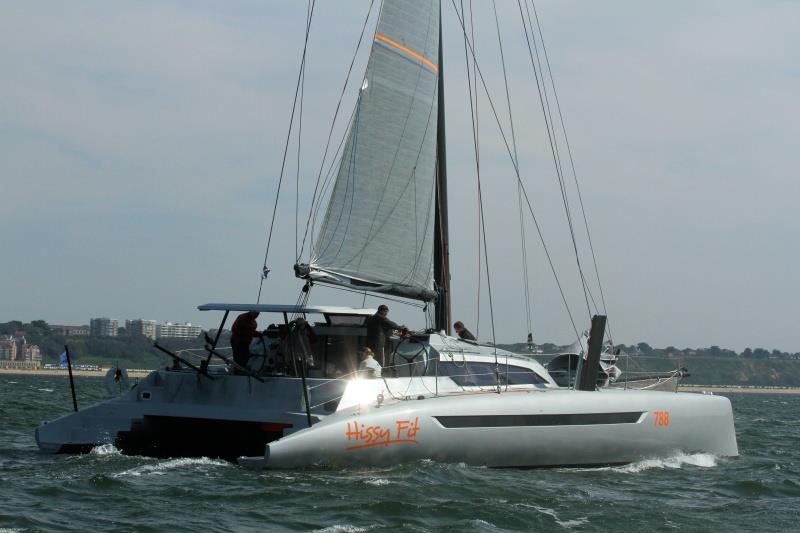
(8, 348)
(33, 355)
(178, 331)
(141, 326)
(103, 327)
(70, 331)
(16, 352)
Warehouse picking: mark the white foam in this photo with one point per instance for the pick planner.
(105, 449)
(377, 482)
(483, 524)
(704, 460)
(573, 523)
(45, 390)
(161, 468)
(343, 528)
(567, 524)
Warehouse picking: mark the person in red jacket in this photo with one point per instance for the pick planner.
(243, 330)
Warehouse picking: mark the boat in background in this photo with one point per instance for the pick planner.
(563, 369)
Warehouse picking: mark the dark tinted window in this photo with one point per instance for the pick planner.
(346, 320)
(483, 374)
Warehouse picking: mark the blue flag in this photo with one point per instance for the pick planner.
(62, 359)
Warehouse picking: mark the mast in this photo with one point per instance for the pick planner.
(441, 249)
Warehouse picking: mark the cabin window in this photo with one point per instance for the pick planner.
(346, 320)
(475, 374)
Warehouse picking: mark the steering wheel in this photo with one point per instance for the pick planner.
(259, 369)
(409, 360)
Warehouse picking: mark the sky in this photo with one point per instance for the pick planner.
(141, 144)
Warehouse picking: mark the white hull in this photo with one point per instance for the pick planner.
(533, 428)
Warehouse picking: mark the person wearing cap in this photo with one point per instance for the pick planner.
(379, 327)
(244, 329)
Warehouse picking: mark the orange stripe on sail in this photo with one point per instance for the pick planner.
(407, 51)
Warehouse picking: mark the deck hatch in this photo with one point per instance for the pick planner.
(575, 419)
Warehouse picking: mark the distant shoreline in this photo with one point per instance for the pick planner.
(78, 373)
(142, 373)
(751, 389)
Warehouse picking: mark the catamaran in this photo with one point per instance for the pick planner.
(385, 232)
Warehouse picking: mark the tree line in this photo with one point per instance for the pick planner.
(137, 349)
(643, 348)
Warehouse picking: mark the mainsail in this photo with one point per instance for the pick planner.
(377, 234)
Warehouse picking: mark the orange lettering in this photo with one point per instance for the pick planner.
(367, 436)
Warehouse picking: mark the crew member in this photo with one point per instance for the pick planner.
(243, 330)
(379, 327)
(463, 332)
(369, 367)
(300, 336)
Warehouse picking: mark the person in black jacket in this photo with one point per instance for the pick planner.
(463, 332)
(379, 327)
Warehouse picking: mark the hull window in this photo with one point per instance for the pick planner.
(574, 419)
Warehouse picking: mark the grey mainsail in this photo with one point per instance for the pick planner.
(377, 233)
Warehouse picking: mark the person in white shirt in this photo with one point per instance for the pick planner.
(369, 367)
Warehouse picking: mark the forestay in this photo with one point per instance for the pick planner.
(377, 234)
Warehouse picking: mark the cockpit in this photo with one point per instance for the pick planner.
(331, 347)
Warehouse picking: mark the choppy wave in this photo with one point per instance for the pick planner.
(757, 492)
(105, 449)
(547, 511)
(161, 468)
(704, 460)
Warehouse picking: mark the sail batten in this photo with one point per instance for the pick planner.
(378, 229)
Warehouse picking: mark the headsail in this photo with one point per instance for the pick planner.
(377, 234)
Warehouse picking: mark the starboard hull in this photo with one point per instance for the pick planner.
(514, 429)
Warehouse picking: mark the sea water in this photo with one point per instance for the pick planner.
(107, 491)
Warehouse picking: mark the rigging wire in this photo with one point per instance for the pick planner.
(480, 192)
(572, 162)
(329, 178)
(516, 159)
(476, 141)
(524, 191)
(333, 124)
(264, 269)
(588, 296)
(551, 134)
(299, 144)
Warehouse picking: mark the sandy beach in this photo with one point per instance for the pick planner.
(78, 373)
